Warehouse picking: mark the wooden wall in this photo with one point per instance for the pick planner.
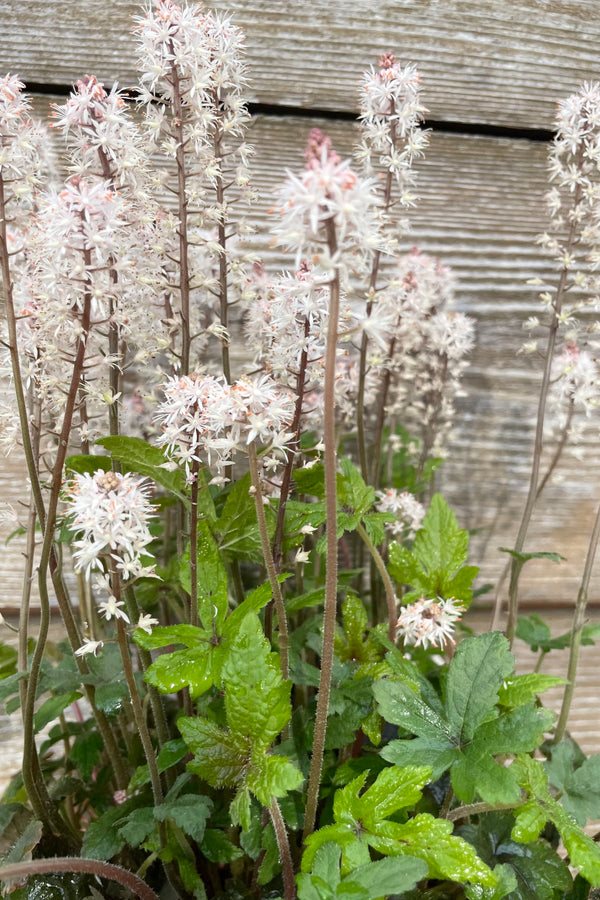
(493, 72)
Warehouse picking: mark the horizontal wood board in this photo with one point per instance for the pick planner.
(502, 63)
(480, 209)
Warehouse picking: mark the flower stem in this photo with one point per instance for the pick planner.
(21, 870)
(331, 556)
(516, 563)
(222, 237)
(284, 639)
(289, 888)
(193, 603)
(473, 809)
(575, 642)
(390, 595)
(182, 215)
(292, 450)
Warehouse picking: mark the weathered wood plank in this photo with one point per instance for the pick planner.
(485, 62)
(481, 207)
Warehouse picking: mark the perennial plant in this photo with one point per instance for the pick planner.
(265, 687)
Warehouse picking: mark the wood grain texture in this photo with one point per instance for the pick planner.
(481, 207)
(482, 62)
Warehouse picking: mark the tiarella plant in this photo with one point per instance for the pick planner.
(265, 689)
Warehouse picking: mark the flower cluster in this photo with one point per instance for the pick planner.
(406, 508)
(329, 209)
(573, 239)
(429, 622)
(426, 350)
(102, 135)
(21, 142)
(206, 415)
(111, 513)
(391, 113)
(193, 89)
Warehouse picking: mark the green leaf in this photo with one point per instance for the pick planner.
(257, 700)
(400, 705)
(311, 480)
(534, 631)
(8, 661)
(525, 557)
(220, 757)
(52, 708)
(520, 689)
(189, 812)
(518, 730)
(583, 852)
(354, 496)
(404, 566)
(165, 635)
(360, 821)
(211, 579)
(85, 464)
(240, 809)
(236, 530)
(476, 673)
(102, 838)
(435, 566)
(85, 752)
(253, 603)
(217, 847)
(393, 875)
(272, 776)
(200, 666)
(579, 784)
(440, 544)
(137, 826)
(447, 855)
(137, 455)
(536, 870)
(270, 865)
(506, 884)
(193, 668)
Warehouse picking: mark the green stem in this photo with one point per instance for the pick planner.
(578, 620)
(390, 594)
(284, 639)
(21, 870)
(331, 556)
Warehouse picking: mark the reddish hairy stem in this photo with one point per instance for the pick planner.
(284, 640)
(97, 867)
(182, 204)
(330, 458)
(293, 448)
